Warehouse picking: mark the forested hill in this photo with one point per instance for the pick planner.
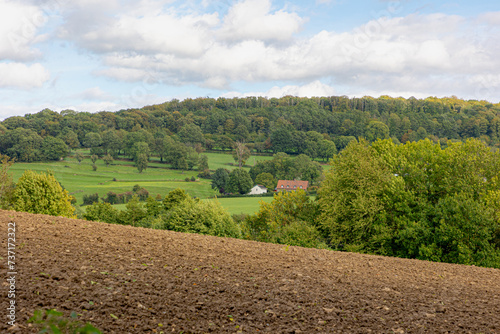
(288, 124)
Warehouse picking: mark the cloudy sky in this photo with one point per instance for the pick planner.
(92, 55)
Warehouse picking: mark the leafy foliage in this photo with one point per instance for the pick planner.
(6, 183)
(103, 212)
(284, 167)
(54, 322)
(288, 219)
(415, 200)
(239, 181)
(220, 180)
(41, 193)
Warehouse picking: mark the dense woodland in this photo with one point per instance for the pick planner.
(318, 127)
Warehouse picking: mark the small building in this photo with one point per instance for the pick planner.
(287, 185)
(257, 190)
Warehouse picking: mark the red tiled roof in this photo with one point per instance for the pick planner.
(292, 185)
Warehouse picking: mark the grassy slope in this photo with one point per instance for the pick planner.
(80, 179)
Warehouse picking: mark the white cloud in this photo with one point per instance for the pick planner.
(253, 20)
(153, 32)
(94, 94)
(254, 42)
(17, 75)
(313, 89)
(19, 25)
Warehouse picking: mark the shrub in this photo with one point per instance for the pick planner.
(111, 197)
(134, 213)
(90, 199)
(143, 194)
(193, 179)
(41, 193)
(103, 212)
(205, 174)
(187, 179)
(204, 217)
(6, 184)
(288, 219)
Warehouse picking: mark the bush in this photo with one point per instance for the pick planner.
(90, 199)
(41, 193)
(205, 174)
(103, 212)
(288, 219)
(143, 194)
(6, 184)
(193, 179)
(111, 198)
(187, 179)
(205, 217)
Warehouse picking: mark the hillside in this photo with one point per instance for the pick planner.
(134, 280)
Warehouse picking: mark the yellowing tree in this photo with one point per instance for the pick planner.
(41, 193)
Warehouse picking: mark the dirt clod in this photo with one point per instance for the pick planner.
(201, 284)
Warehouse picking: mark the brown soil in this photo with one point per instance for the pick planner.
(133, 280)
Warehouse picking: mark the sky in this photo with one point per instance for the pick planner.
(94, 55)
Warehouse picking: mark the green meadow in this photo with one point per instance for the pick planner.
(247, 205)
(122, 175)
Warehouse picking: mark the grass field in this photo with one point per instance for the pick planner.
(80, 179)
(225, 160)
(237, 205)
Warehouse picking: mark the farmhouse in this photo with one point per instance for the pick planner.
(287, 185)
(257, 190)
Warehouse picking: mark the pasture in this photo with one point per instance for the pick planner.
(80, 179)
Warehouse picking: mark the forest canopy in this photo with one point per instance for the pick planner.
(313, 126)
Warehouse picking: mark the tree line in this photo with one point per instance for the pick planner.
(317, 127)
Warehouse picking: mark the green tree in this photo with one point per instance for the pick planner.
(79, 157)
(6, 183)
(241, 153)
(220, 180)
(103, 212)
(22, 144)
(41, 193)
(204, 217)
(111, 142)
(267, 180)
(327, 149)
(140, 148)
(141, 162)
(71, 139)
(239, 181)
(133, 213)
(415, 200)
(192, 157)
(288, 219)
(93, 141)
(376, 130)
(108, 159)
(191, 133)
(203, 164)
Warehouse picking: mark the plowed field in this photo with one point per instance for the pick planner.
(133, 280)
